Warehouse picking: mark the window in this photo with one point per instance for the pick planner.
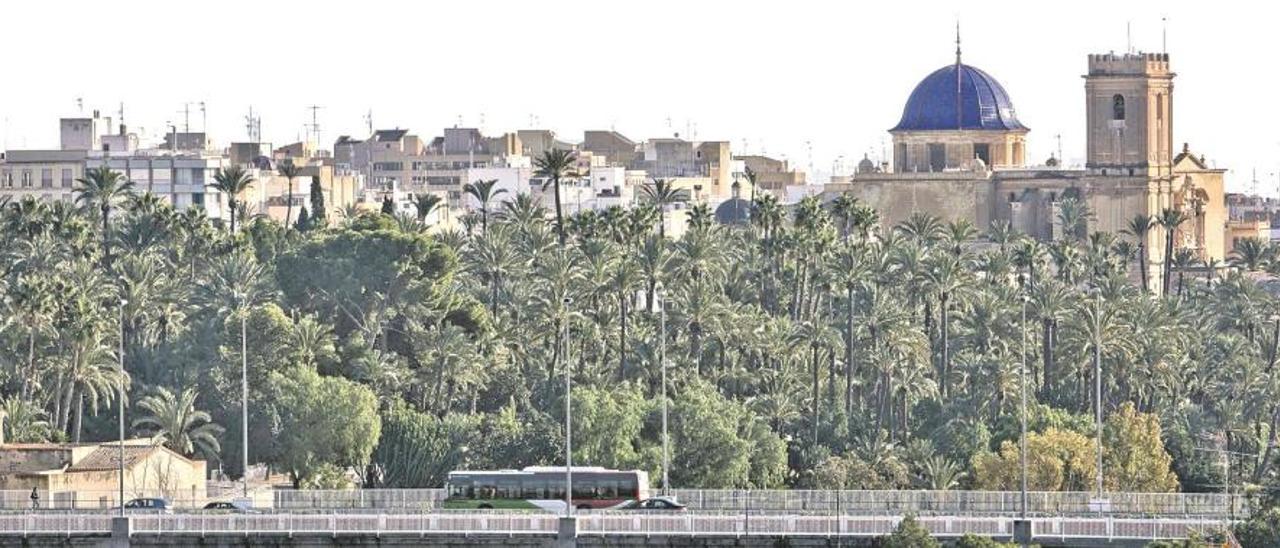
(197, 199)
(6, 178)
(388, 166)
(982, 151)
(937, 157)
(67, 179)
(26, 178)
(46, 177)
(1117, 107)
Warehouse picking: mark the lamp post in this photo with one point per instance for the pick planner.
(1022, 457)
(568, 412)
(120, 383)
(244, 405)
(662, 361)
(1097, 380)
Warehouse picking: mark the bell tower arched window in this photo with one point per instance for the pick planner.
(1117, 107)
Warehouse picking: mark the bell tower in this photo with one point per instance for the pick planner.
(1129, 104)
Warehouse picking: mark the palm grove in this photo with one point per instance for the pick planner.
(807, 348)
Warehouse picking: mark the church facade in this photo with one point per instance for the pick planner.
(959, 152)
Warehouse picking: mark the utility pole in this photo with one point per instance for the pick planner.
(120, 381)
(1097, 379)
(662, 361)
(568, 412)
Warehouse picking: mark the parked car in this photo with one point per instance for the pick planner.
(658, 504)
(229, 507)
(149, 505)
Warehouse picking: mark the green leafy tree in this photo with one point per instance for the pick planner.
(324, 421)
(909, 534)
(319, 213)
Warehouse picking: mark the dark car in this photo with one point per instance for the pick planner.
(149, 505)
(228, 507)
(656, 504)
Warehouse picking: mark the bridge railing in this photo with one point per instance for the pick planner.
(598, 524)
(803, 501)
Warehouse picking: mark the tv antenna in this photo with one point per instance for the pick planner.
(314, 127)
(253, 126)
(204, 118)
(368, 120)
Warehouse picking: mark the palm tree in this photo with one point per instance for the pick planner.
(426, 204)
(483, 192)
(288, 170)
(554, 166)
(1169, 220)
(662, 193)
(1138, 227)
(175, 419)
(624, 280)
(1251, 254)
(946, 276)
(232, 181)
(24, 421)
(103, 188)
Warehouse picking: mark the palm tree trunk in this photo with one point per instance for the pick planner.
(1046, 344)
(1168, 259)
(945, 339)
(1142, 260)
(848, 353)
(31, 362)
(622, 336)
(231, 204)
(484, 217)
(813, 359)
(559, 212)
(106, 236)
(288, 211)
(79, 416)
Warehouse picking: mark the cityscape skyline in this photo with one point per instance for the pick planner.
(704, 83)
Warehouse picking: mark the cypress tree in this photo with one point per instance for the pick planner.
(303, 222)
(319, 215)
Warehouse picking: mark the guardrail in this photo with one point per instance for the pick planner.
(860, 502)
(710, 524)
(959, 503)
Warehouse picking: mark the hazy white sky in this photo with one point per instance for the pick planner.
(781, 77)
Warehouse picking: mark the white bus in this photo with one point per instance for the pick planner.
(543, 487)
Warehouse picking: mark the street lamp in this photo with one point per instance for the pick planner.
(1097, 380)
(120, 383)
(568, 410)
(244, 405)
(662, 361)
(1023, 372)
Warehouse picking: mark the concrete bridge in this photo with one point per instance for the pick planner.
(498, 528)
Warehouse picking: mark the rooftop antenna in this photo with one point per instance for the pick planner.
(204, 118)
(368, 120)
(1164, 34)
(1128, 36)
(80, 105)
(459, 122)
(253, 126)
(121, 113)
(186, 117)
(1059, 138)
(315, 122)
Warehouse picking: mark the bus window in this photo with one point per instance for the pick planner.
(508, 489)
(608, 489)
(585, 490)
(557, 490)
(629, 487)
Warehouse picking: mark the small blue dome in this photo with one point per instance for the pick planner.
(982, 102)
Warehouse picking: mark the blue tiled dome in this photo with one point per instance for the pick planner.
(982, 104)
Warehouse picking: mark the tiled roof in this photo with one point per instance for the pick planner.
(107, 457)
(958, 97)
